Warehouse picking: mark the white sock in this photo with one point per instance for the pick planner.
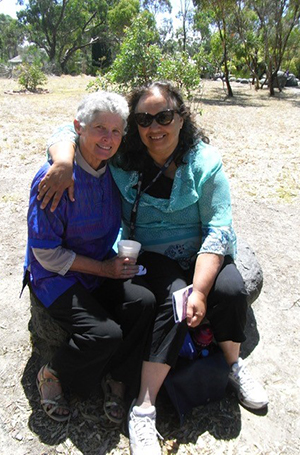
(139, 411)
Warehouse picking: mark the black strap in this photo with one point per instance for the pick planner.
(139, 192)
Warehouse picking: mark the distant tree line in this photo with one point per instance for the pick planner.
(126, 42)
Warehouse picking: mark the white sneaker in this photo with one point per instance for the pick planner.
(142, 431)
(250, 393)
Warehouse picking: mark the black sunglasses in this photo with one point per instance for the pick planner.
(162, 118)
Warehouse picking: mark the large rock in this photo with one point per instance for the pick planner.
(250, 269)
(47, 335)
(280, 80)
(292, 81)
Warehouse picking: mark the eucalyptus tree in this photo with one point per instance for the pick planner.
(63, 27)
(141, 60)
(157, 6)
(277, 19)
(161, 11)
(121, 16)
(139, 55)
(222, 13)
(11, 37)
(248, 42)
(186, 16)
(291, 58)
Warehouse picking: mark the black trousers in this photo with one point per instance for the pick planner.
(226, 305)
(124, 322)
(108, 331)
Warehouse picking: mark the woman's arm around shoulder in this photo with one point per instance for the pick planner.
(61, 151)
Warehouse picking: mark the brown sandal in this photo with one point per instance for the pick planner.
(112, 402)
(50, 406)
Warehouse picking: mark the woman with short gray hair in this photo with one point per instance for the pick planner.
(73, 271)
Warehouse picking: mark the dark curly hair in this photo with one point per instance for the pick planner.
(132, 154)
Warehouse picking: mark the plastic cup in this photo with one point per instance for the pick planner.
(128, 249)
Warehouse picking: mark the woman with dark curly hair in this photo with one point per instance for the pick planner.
(132, 153)
(176, 203)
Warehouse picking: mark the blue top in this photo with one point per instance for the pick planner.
(196, 219)
(89, 227)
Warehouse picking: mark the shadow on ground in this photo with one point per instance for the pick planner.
(241, 99)
(87, 426)
(245, 99)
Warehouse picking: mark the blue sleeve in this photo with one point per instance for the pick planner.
(220, 241)
(45, 229)
(214, 195)
(218, 236)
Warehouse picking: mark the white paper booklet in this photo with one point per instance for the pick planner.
(179, 300)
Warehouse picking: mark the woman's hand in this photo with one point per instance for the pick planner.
(207, 268)
(58, 178)
(119, 268)
(196, 308)
(115, 268)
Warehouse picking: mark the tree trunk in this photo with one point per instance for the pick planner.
(271, 79)
(255, 72)
(256, 81)
(226, 71)
(229, 89)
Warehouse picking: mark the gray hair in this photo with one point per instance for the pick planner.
(101, 102)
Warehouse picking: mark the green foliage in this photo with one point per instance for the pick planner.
(202, 22)
(31, 76)
(11, 36)
(103, 82)
(141, 60)
(156, 6)
(291, 58)
(33, 54)
(101, 55)
(205, 64)
(222, 13)
(139, 55)
(181, 70)
(254, 36)
(276, 21)
(63, 27)
(121, 16)
(293, 66)
(216, 47)
(233, 36)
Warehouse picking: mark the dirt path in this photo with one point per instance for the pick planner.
(259, 141)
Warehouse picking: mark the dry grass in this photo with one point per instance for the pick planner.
(259, 141)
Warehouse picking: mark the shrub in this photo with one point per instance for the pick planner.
(182, 71)
(31, 76)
